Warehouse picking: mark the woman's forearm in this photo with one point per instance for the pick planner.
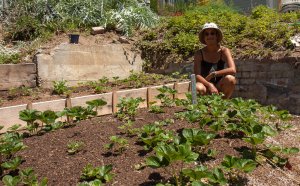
(202, 80)
(226, 71)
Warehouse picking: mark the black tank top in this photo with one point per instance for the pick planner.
(207, 68)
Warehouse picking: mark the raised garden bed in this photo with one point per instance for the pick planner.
(239, 128)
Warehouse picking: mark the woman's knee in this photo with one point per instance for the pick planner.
(201, 88)
(229, 80)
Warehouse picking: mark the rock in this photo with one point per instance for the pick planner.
(98, 30)
(123, 39)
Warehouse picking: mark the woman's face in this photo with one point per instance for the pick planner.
(210, 36)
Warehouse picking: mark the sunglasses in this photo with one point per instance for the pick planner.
(210, 33)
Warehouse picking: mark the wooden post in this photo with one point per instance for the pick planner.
(114, 102)
(68, 104)
(148, 97)
(194, 91)
(29, 106)
(176, 88)
(279, 5)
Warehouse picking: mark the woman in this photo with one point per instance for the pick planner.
(209, 64)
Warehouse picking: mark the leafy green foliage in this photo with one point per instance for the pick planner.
(102, 173)
(197, 137)
(9, 180)
(118, 144)
(74, 147)
(128, 108)
(10, 143)
(12, 164)
(7, 58)
(152, 135)
(41, 18)
(166, 96)
(245, 165)
(201, 173)
(60, 87)
(28, 177)
(97, 103)
(255, 36)
(79, 112)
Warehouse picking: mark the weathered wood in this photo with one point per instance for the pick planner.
(114, 102)
(149, 97)
(176, 88)
(29, 106)
(69, 105)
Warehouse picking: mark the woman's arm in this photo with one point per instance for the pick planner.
(231, 69)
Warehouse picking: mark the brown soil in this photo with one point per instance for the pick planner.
(47, 154)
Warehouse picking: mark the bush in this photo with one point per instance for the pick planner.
(254, 36)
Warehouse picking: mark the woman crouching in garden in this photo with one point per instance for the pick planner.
(209, 64)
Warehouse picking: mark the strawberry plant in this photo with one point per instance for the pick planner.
(91, 173)
(30, 116)
(10, 143)
(79, 113)
(11, 180)
(12, 164)
(155, 108)
(97, 103)
(197, 137)
(166, 96)
(48, 118)
(200, 175)
(28, 177)
(166, 154)
(60, 87)
(74, 147)
(118, 144)
(128, 108)
(128, 128)
(152, 135)
(237, 165)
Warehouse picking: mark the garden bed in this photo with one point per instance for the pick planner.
(47, 154)
(126, 141)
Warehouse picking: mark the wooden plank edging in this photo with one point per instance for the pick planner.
(10, 115)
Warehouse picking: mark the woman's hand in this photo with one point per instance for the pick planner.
(209, 77)
(212, 89)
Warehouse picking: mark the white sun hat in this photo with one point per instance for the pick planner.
(207, 26)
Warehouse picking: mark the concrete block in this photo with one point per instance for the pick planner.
(245, 75)
(16, 75)
(281, 67)
(98, 30)
(246, 81)
(79, 63)
(106, 109)
(10, 116)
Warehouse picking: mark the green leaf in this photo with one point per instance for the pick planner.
(8, 180)
(12, 164)
(229, 161)
(292, 150)
(153, 161)
(246, 165)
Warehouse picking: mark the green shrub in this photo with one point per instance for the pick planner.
(7, 58)
(253, 36)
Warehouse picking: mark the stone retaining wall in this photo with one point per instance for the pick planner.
(16, 75)
(270, 82)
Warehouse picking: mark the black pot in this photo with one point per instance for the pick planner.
(74, 38)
